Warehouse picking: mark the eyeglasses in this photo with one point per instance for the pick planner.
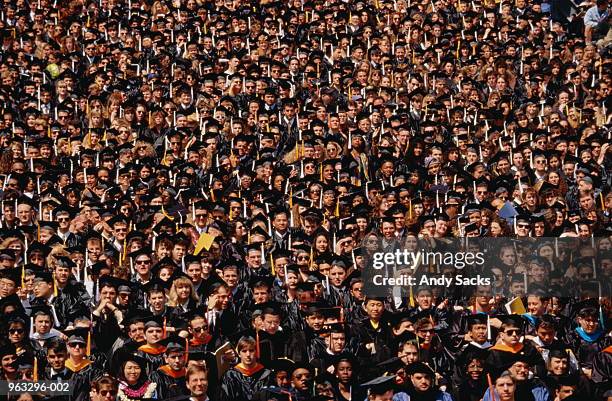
(200, 329)
(104, 393)
(303, 258)
(143, 262)
(512, 332)
(16, 331)
(523, 226)
(76, 345)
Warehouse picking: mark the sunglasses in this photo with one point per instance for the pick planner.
(200, 329)
(77, 345)
(512, 332)
(16, 331)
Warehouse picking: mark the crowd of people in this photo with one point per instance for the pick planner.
(193, 193)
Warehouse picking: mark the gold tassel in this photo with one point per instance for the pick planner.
(89, 343)
(35, 370)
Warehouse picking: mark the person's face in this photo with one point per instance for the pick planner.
(558, 366)
(520, 371)
(153, 335)
(176, 360)
(178, 251)
(56, 359)
(142, 264)
(16, 332)
(511, 335)
(271, 323)
(505, 387)
(7, 287)
(247, 355)
(374, 309)
(344, 371)
(588, 324)
(136, 331)
(478, 333)
(230, 276)
(76, 349)
(337, 275)
(197, 384)
(508, 257)
(421, 382)
(157, 300)
(108, 294)
(132, 371)
(8, 363)
(424, 299)
(300, 379)
(42, 289)
(194, 271)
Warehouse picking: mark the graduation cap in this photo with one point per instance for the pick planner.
(111, 281)
(513, 321)
(43, 276)
(64, 262)
(419, 367)
(379, 385)
(282, 365)
(267, 308)
(77, 335)
(390, 366)
(13, 275)
(155, 285)
(196, 356)
(476, 318)
(173, 344)
(8, 349)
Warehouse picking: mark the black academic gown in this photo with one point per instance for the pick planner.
(501, 358)
(153, 355)
(239, 385)
(169, 384)
(81, 379)
(602, 371)
(470, 390)
(587, 350)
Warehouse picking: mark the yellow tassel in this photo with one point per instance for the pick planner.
(311, 258)
(166, 214)
(337, 211)
(272, 270)
(411, 300)
(54, 287)
(35, 370)
(89, 343)
(410, 208)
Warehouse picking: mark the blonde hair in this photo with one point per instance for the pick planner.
(173, 294)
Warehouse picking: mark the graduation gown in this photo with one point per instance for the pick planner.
(81, 376)
(501, 357)
(587, 349)
(602, 371)
(239, 383)
(153, 355)
(169, 383)
(470, 390)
